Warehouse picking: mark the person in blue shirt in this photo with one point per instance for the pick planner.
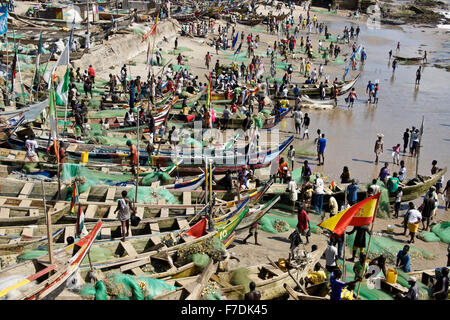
(321, 148)
(352, 192)
(370, 90)
(337, 285)
(296, 91)
(308, 81)
(403, 259)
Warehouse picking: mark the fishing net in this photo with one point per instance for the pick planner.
(322, 11)
(88, 178)
(31, 254)
(211, 292)
(138, 30)
(383, 210)
(98, 138)
(258, 122)
(94, 103)
(149, 195)
(389, 248)
(200, 260)
(275, 222)
(442, 230)
(99, 254)
(402, 279)
(153, 177)
(109, 113)
(118, 286)
(178, 66)
(179, 50)
(240, 277)
(365, 293)
(428, 237)
(212, 247)
(272, 80)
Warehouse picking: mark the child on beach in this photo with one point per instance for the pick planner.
(396, 154)
(398, 200)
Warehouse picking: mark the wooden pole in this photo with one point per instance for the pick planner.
(368, 244)
(418, 147)
(210, 182)
(137, 169)
(49, 226)
(344, 269)
(7, 66)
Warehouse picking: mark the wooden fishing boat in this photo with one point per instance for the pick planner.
(38, 279)
(269, 278)
(313, 89)
(24, 211)
(408, 59)
(307, 100)
(268, 122)
(191, 163)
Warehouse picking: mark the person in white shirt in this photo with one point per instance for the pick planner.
(402, 172)
(31, 145)
(293, 191)
(331, 256)
(375, 187)
(291, 156)
(412, 217)
(318, 194)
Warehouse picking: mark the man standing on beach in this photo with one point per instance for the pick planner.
(207, 60)
(418, 74)
(321, 148)
(405, 139)
(378, 149)
(318, 194)
(352, 192)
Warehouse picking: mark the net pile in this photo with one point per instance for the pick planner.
(118, 286)
(274, 222)
(442, 230)
(389, 248)
(211, 247)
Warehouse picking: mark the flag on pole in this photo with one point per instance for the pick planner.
(38, 58)
(13, 71)
(235, 40)
(74, 198)
(62, 91)
(359, 214)
(152, 31)
(62, 60)
(238, 49)
(52, 119)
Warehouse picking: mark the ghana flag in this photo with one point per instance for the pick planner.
(359, 214)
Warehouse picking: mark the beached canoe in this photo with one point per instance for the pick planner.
(39, 279)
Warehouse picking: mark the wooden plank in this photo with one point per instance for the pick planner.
(27, 232)
(161, 201)
(90, 211)
(190, 211)
(25, 203)
(202, 281)
(129, 249)
(84, 196)
(26, 190)
(110, 194)
(291, 291)
(33, 212)
(187, 198)
(183, 223)
(154, 227)
(111, 214)
(72, 147)
(106, 233)
(4, 213)
(164, 213)
(2, 201)
(69, 231)
(135, 264)
(140, 212)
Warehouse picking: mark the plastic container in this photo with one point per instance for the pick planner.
(391, 276)
(390, 229)
(84, 156)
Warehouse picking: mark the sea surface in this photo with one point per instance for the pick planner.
(351, 134)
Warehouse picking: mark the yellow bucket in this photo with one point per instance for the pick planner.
(84, 156)
(391, 276)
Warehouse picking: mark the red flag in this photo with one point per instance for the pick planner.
(198, 230)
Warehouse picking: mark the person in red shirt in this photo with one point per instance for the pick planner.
(91, 73)
(252, 231)
(170, 86)
(303, 224)
(62, 152)
(133, 157)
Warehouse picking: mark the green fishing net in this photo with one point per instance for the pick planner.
(442, 230)
(275, 222)
(240, 277)
(212, 247)
(153, 177)
(200, 260)
(211, 292)
(118, 286)
(389, 248)
(428, 237)
(99, 254)
(112, 113)
(402, 279)
(258, 121)
(178, 66)
(88, 178)
(179, 50)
